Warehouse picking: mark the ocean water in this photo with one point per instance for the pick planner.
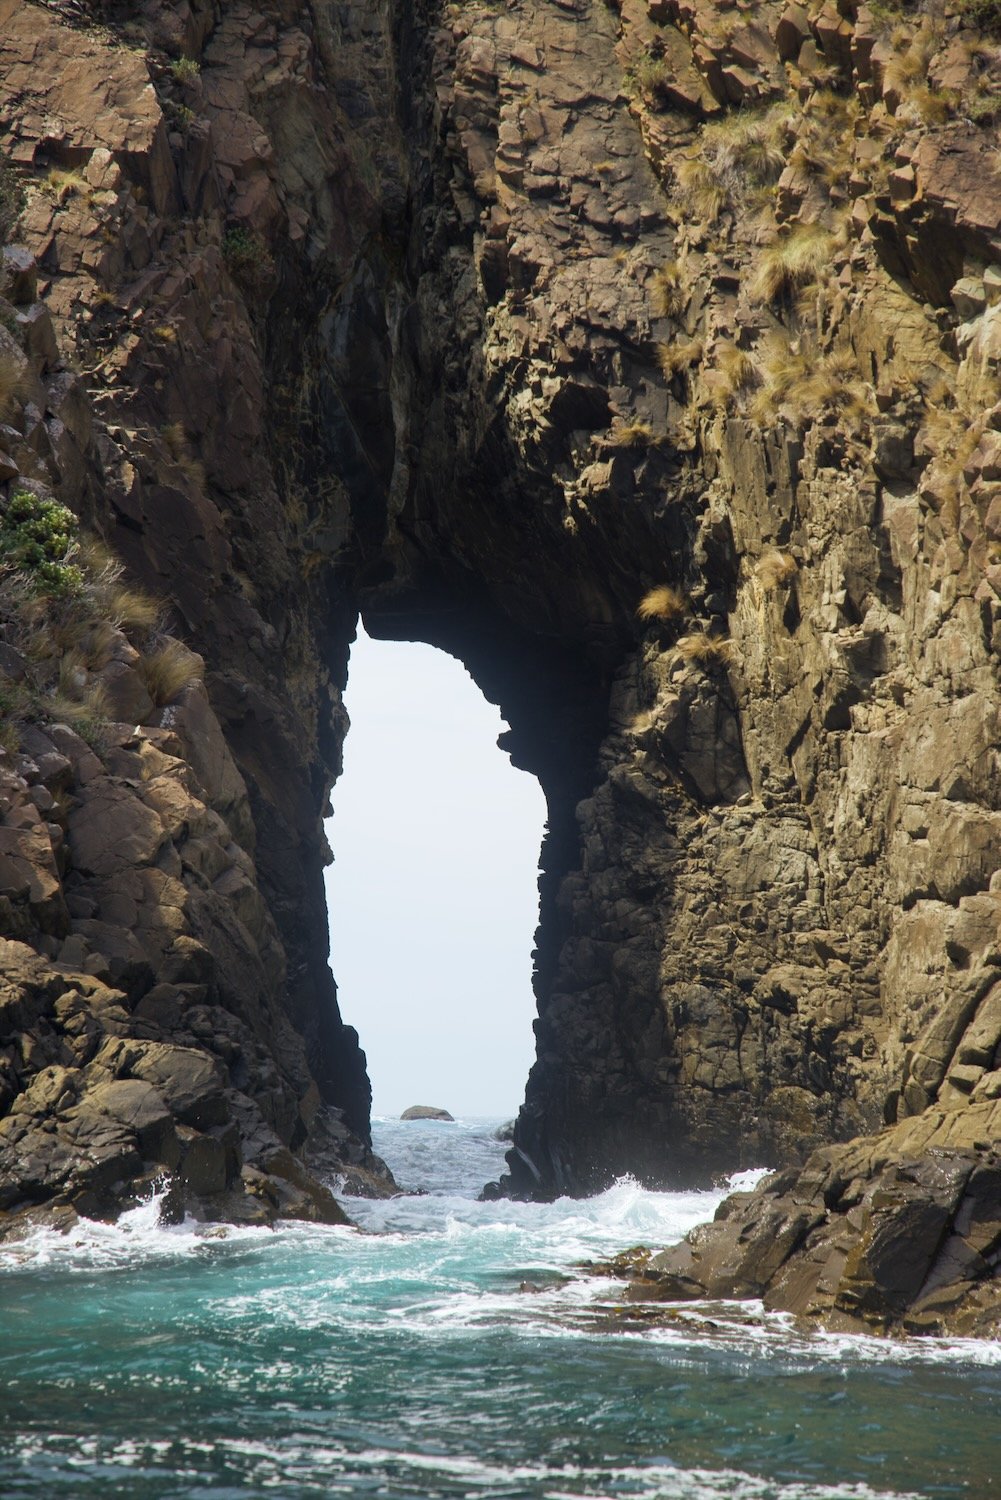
(403, 1359)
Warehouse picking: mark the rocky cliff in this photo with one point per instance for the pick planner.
(645, 358)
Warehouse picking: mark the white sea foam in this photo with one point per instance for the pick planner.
(457, 1266)
(138, 1237)
(407, 1471)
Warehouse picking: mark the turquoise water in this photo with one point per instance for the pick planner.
(403, 1360)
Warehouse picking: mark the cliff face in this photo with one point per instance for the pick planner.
(500, 324)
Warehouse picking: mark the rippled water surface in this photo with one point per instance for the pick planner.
(404, 1360)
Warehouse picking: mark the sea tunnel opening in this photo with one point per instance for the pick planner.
(433, 894)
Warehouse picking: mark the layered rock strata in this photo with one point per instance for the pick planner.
(500, 324)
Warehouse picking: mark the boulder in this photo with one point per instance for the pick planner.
(425, 1112)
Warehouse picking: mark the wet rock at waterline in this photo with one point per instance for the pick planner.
(426, 1112)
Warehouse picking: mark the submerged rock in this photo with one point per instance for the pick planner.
(426, 1112)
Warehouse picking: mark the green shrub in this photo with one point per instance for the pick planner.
(38, 540)
(185, 69)
(247, 256)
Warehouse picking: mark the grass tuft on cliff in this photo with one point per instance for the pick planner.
(774, 568)
(168, 671)
(792, 260)
(65, 612)
(706, 649)
(247, 257)
(664, 603)
(668, 290)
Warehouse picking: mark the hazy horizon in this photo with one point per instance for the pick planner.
(433, 897)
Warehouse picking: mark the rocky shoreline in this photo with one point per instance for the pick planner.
(647, 358)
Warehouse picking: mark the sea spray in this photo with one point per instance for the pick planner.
(404, 1359)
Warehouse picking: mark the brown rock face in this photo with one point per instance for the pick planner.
(500, 326)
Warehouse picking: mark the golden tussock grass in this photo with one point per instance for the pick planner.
(706, 649)
(774, 568)
(176, 440)
(701, 190)
(65, 185)
(792, 260)
(169, 670)
(800, 382)
(673, 358)
(124, 606)
(665, 602)
(632, 435)
(731, 371)
(927, 106)
(745, 148)
(909, 63)
(668, 293)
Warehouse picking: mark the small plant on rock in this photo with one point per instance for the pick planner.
(674, 358)
(732, 371)
(169, 670)
(632, 435)
(792, 260)
(185, 69)
(65, 185)
(774, 568)
(664, 603)
(38, 540)
(247, 256)
(706, 649)
(668, 292)
(701, 190)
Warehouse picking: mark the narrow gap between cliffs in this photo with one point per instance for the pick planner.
(433, 895)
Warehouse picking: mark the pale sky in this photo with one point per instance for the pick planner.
(432, 896)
